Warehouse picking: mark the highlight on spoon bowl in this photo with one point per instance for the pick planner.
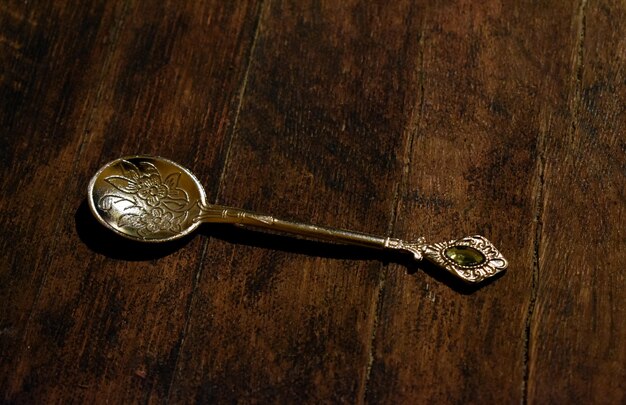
(146, 198)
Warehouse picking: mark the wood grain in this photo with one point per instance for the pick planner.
(92, 326)
(322, 113)
(488, 124)
(437, 119)
(578, 328)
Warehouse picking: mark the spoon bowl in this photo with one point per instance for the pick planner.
(146, 198)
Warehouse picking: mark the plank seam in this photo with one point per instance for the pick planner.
(577, 68)
(577, 72)
(242, 91)
(416, 116)
(205, 246)
(118, 24)
(538, 221)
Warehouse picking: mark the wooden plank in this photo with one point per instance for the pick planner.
(578, 329)
(413, 118)
(327, 99)
(45, 72)
(90, 318)
(491, 86)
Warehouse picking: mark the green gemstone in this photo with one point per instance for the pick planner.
(465, 255)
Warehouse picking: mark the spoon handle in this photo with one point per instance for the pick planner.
(472, 258)
(224, 214)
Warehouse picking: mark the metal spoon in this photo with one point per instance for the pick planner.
(152, 199)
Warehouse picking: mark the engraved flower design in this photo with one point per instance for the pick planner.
(151, 189)
(144, 180)
(159, 220)
(152, 204)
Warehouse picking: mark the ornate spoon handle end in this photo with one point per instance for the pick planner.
(472, 258)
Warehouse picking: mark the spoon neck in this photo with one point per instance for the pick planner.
(223, 214)
(213, 213)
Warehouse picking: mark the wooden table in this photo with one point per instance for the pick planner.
(402, 118)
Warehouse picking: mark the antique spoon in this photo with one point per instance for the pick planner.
(152, 199)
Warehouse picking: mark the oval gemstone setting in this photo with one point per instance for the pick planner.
(465, 256)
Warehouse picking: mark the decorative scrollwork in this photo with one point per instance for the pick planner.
(416, 248)
(491, 263)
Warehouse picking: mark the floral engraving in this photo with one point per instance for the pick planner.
(160, 220)
(152, 204)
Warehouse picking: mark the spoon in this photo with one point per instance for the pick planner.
(152, 199)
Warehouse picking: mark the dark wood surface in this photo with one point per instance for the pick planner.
(407, 118)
